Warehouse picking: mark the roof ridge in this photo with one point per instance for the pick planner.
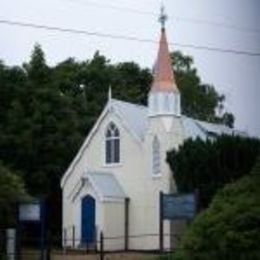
(206, 122)
(129, 103)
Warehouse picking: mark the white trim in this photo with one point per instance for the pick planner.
(157, 176)
(84, 146)
(112, 165)
(112, 140)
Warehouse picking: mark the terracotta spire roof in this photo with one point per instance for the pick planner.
(164, 80)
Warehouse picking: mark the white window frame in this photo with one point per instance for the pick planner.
(156, 157)
(113, 137)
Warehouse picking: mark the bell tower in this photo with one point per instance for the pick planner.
(164, 97)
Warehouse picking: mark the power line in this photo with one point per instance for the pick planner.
(123, 37)
(176, 18)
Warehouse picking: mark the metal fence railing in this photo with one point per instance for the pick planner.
(104, 247)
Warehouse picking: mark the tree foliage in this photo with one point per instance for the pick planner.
(230, 227)
(199, 100)
(208, 165)
(12, 189)
(46, 112)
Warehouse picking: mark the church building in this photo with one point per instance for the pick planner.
(114, 181)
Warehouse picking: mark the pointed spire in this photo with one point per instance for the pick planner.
(164, 79)
(163, 17)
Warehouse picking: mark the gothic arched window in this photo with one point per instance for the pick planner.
(156, 156)
(112, 144)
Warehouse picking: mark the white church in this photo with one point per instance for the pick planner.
(114, 181)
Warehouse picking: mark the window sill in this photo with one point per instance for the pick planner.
(112, 165)
(157, 176)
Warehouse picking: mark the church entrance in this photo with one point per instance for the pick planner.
(88, 216)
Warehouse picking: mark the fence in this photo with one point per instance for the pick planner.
(101, 249)
(29, 248)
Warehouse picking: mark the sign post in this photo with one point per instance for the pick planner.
(161, 221)
(175, 206)
(34, 212)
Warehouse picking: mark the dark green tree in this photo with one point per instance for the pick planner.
(199, 100)
(209, 165)
(37, 70)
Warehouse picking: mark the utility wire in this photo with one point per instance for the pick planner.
(123, 37)
(176, 18)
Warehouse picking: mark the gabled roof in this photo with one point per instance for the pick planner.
(135, 119)
(136, 116)
(105, 185)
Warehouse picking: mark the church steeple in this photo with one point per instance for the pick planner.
(164, 97)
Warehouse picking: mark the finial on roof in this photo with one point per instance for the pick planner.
(163, 17)
(109, 96)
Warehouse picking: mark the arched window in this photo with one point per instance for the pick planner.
(112, 144)
(156, 156)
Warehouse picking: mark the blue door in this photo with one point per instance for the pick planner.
(88, 216)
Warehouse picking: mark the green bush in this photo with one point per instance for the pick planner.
(230, 227)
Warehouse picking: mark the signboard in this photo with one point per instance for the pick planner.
(175, 206)
(30, 212)
(178, 206)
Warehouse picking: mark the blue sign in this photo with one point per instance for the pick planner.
(178, 206)
(30, 211)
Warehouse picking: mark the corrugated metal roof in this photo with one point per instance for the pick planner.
(106, 184)
(136, 116)
(191, 129)
(218, 129)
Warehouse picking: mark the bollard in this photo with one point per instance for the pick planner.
(10, 243)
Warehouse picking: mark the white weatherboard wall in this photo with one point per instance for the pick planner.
(114, 225)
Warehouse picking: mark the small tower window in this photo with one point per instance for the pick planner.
(156, 156)
(167, 103)
(112, 144)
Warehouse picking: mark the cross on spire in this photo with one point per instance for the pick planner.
(163, 17)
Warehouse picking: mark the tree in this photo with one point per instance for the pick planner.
(37, 70)
(209, 165)
(230, 227)
(11, 191)
(200, 101)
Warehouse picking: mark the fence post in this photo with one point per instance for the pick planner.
(64, 241)
(126, 223)
(10, 243)
(101, 246)
(73, 236)
(161, 221)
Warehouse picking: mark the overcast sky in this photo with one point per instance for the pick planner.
(226, 24)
